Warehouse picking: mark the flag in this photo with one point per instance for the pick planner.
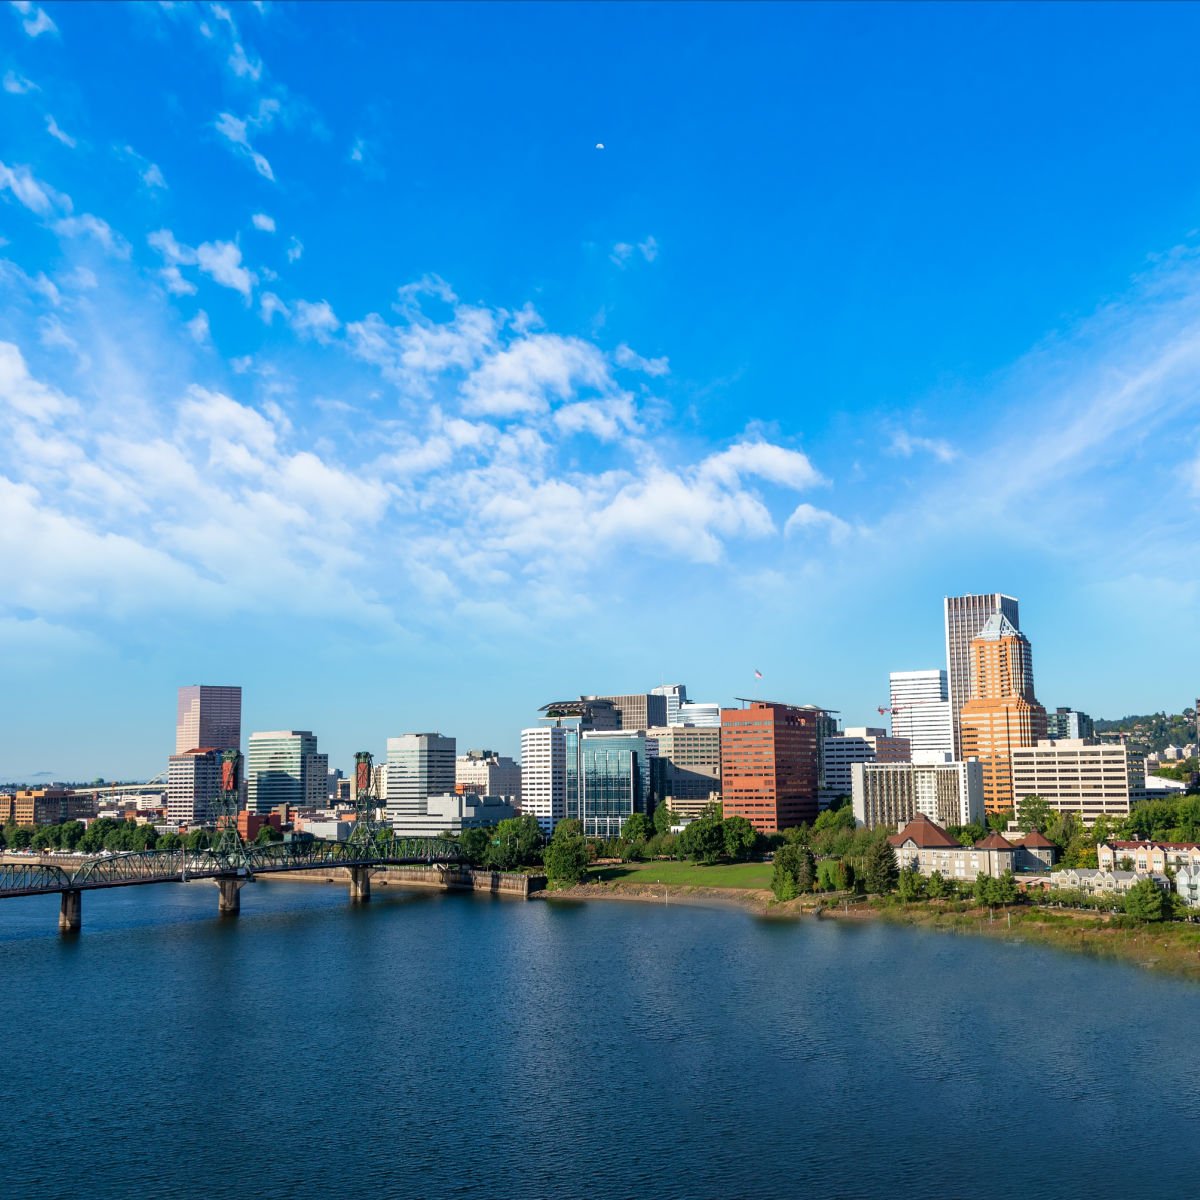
(757, 673)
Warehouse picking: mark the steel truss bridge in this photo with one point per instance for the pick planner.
(229, 868)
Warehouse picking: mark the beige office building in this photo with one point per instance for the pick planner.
(1079, 775)
(689, 758)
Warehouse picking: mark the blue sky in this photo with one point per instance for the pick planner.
(336, 360)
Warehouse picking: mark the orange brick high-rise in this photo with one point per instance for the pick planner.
(771, 763)
(1003, 713)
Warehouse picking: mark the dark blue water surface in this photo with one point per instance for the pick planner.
(447, 1045)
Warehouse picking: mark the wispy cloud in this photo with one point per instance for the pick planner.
(221, 261)
(36, 20)
(53, 129)
(234, 130)
(623, 253)
(17, 85)
(907, 444)
(295, 250)
(90, 226)
(263, 222)
(38, 197)
(150, 173)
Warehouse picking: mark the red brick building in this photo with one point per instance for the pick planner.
(771, 763)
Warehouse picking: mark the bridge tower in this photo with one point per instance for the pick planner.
(229, 841)
(364, 837)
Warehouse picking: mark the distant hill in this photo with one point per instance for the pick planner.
(1154, 731)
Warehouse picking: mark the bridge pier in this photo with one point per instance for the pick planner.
(70, 912)
(360, 885)
(230, 902)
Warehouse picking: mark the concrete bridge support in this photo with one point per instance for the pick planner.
(230, 903)
(360, 885)
(70, 912)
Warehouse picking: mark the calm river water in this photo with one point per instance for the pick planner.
(447, 1045)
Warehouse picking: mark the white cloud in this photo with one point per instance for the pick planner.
(622, 252)
(221, 261)
(356, 150)
(36, 21)
(906, 445)
(36, 196)
(623, 356)
(243, 66)
(316, 321)
(150, 172)
(198, 327)
(18, 85)
(807, 517)
(269, 304)
(89, 225)
(263, 222)
(234, 130)
(763, 460)
(295, 250)
(22, 393)
(524, 377)
(53, 129)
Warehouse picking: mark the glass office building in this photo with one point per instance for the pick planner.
(614, 781)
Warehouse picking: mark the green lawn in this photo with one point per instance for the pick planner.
(687, 874)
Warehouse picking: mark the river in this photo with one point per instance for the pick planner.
(432, 1044)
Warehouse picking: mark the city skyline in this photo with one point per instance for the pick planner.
(406, 419)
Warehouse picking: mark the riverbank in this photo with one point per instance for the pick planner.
(1168, 946)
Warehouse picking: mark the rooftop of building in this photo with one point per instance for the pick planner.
(1037, 840)
(925, 835)
(994, 841)
(997, 627)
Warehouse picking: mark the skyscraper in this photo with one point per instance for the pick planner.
(920, 707)
(280, 769)
(1003, 712)
(965, 617)
(208, 718)
(419, 765)
(544, 775)
(771, 763)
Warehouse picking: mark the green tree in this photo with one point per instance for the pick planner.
(637, 828)
(999, 820)
(197, 839)
(566, 860)
(829, 875)
(663, 818)
(1033, 812)
(740, 838)
(474, 844)
(967, 835)
(568, 827)
(935, 886)
(784, 876)
(846, 877)
(1146, 901)
(880, 871)
(21, 838)
(170, 841)
(70, 833)
(910, 885)
(806, 869)
(517, 842)
(703, 841)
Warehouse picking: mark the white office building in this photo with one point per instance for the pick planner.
(920, 704)
(705, 714)
(892, 794)
(544, 774)
(856, 744)
(419, 765)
